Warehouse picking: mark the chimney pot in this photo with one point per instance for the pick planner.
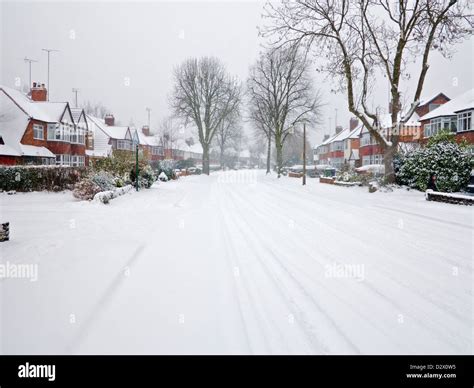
(38, 92)
(354, 122)
(109, 120)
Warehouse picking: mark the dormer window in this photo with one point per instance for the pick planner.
(38, 132)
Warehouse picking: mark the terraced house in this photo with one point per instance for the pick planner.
(36, 131)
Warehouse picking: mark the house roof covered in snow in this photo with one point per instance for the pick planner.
(428, 99)
(49, 112)
(343, 135)
(152, 140)
(114, 132)
(460, 103)
(13, 123)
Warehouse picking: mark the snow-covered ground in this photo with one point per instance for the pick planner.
(238, 263)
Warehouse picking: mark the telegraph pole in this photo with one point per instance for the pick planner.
(304, 154)
(49, 51)
(29, 61)
(75, 91)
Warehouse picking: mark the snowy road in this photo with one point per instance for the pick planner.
(239, 263)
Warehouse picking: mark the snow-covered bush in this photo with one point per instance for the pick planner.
(104, 180)
(106, 196)
(448, 161)
(37, 178)
(163, 177)
(147, 177)
(85, 190)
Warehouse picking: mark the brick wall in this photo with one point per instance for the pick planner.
(9, 160)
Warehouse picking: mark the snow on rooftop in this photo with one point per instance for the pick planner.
(49, 112)
(462, 102)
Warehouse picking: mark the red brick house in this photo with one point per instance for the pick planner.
(36, 131)
(340, 148)
(455, 115)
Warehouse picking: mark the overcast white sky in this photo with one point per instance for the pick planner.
(103, 43)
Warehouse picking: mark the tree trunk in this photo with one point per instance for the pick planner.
(279, 151)
(269, 152)
(222, 157)
(205, 159)
(389, 153)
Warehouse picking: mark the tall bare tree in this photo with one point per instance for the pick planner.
(281, 95)
(228, 134)
(357, 40)
(168, 133)
(205, 94)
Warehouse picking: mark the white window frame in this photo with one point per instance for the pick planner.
(124, 145)
(465, 121)
(38, 128)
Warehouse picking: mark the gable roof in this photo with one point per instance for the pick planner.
(462, 102)
(46, 111)
(13, 123)
(427, 100)
(113, 132)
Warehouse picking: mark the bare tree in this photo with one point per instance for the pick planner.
(281, 95)
(168, 133)
(205, 94)
(228, 134)
(95, 109)
(358, 40)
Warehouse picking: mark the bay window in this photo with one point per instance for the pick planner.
(465, 121)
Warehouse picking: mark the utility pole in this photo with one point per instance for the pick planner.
(29, 61)
(49, 51)
(75, 91)
(149, 123)
(304, 154)
(335, 123)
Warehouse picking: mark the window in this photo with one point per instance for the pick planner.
(465, 121)
(433, 106)
(440, 123)
(124, 145)
(366, 139)
(73, 135)
(156, 151)
(38, 132)
(81, 137)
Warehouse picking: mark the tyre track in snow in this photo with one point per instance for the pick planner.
(293, 294)
(266, 335)
(389, 261)
(445, 331)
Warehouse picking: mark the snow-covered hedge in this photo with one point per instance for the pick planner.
(448, 161)
(38, 178)
(106, 196)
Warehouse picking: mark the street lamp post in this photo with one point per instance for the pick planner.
(304, 154)
(136, 166)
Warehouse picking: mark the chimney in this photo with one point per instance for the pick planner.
(146, 130)
(109, 120)
(38, 92)
(325, 137)
(353, 123)
(338, 129)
